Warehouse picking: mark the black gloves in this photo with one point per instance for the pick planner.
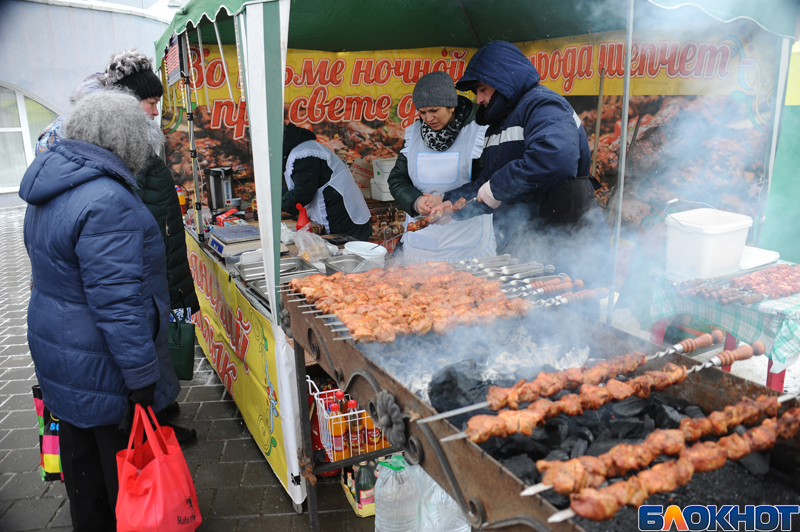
(144, 396)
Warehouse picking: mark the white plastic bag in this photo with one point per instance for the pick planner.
(313, 247)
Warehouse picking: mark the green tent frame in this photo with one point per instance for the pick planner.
(352, 25)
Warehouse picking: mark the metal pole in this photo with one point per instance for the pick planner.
(623, 148)
(597, 121)
(187, 95)
(780, 96)
(305, 451)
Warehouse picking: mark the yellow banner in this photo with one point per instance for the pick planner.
(239, 344)
(717, 59)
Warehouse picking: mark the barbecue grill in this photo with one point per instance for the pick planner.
(487, 491)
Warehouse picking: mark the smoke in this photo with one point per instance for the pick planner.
(502, 353)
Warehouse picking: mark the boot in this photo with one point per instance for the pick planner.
(182, 434)
(169, 412)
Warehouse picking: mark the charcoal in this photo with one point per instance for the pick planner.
(673, 414)
(579, 449)
(457, 385)
(756, 463)
(662, 418)
(569, 443)
(604, 434)
(557, 454)
(632, 406)
(581, 432)
(539, 434)
(600, 447)
(649, 425)
(556, 499)
(694, 411)
(740, 430)
(622, 427)
(523, 467)
(589, 418)
(519, 444)
(558, 429)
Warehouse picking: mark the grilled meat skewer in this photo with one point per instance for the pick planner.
(602, 504)
(571, 476)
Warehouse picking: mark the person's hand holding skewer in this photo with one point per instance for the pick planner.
(426, 203)
(446, 214)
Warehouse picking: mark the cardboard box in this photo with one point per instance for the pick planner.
(361, 510)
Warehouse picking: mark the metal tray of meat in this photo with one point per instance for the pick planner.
(294, 267)
(250, 271)
(348, 264)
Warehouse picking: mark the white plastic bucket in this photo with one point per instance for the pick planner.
(703, 243)
(372, 252)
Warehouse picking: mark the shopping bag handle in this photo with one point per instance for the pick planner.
(142, 425)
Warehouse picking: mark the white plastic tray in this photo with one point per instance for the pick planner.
(755, 257)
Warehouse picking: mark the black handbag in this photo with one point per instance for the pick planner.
(180, 336)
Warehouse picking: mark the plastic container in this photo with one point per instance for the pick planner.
(372, 252)
(397, 498)
(380, 179)
(439, 512)
(703, 243)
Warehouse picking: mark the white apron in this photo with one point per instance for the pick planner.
(437, 172)
(341, 180)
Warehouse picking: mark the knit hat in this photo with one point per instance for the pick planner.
(132, 70)
(435, 90)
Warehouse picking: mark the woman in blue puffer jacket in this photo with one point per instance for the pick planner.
(98, 313)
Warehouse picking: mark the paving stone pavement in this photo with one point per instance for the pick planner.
(236, 489)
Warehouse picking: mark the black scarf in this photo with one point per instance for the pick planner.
(442, 140)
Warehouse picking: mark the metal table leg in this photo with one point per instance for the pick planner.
(775, 380)
(306, 454)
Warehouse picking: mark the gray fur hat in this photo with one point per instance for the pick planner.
(435, 90)
(132, 70)
(114, 120)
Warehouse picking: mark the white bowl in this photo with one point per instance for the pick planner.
(368, 250)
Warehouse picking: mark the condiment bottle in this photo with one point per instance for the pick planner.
(341, 401)
(358, 434)
(337, 425)
(365, 485)
(374, 435)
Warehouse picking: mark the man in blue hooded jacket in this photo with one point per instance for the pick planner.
(536, 168)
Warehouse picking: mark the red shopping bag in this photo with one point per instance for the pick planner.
(156, 492)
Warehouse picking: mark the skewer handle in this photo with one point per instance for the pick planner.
(704, 340)
(726, 358)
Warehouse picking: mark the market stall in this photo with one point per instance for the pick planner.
(255, 65)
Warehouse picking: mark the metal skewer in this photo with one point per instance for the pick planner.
(307, 306)
(315, 311)
(342, 338)
(563, 515)
(715, 337)
(453, 437)
(726, 358)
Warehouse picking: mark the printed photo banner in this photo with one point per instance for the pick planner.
(239, 344)
(737, 59)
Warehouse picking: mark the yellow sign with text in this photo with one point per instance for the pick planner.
(239, 343)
